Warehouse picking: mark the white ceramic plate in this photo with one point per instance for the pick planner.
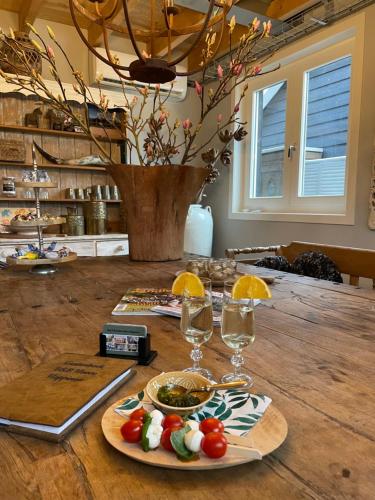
(269, 433)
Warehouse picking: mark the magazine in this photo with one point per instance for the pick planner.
(160, 301)
(174, 308)
(141, 301)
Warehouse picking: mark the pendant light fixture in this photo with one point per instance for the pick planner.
(147, 66)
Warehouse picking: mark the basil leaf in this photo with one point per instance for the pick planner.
(146, 424)
(177, 441)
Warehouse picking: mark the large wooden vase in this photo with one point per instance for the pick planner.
(156, 203)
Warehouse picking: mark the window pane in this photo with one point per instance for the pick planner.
(268, 152)
(326, 129)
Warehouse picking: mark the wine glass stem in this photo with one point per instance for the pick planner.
(196, 355)
(237, 361)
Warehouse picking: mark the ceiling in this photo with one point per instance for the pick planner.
(191, 12)
(58, 10)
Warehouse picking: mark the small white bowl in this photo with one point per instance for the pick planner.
(190, 380)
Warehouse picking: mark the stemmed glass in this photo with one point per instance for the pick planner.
(196, 325)
(237, 331)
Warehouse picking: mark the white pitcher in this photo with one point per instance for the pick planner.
(199, 230)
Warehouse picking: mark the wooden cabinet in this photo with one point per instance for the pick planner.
(84, 246)
(107, 248)
(6, 251)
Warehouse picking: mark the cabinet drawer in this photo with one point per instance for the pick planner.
(107, 248)
(82, 248)
(6, 251)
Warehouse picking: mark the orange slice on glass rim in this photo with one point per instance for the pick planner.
(188, 284)
(250, 287)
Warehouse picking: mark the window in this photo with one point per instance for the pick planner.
(295, 163)
(325, 129)
(269, 139)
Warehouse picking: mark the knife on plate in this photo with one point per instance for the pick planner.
(238, 444)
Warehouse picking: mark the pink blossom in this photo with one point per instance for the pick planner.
(256, 70)
(236, 108)
(50, 53)
(186, 124)
(237, 69)
(255, 24)
(162, 117)
(219, 117)
(103, 101)
(198, 88)
(220, 71)
(267, 28)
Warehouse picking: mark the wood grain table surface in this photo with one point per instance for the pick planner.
(313, 355)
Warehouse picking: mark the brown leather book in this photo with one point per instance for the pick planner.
(54, 397)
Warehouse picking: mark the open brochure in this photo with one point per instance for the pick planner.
(174, 308)
(142, 301)
(154, 301)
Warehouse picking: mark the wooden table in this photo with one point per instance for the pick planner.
(314, 356)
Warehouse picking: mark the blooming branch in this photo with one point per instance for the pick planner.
(152, 136)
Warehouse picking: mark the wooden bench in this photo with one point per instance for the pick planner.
(356, 262)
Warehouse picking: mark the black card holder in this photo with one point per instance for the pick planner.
(144, 356)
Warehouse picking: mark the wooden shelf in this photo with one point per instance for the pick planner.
(52, 165)
(40, 185)
(98, 132)
(10, 198)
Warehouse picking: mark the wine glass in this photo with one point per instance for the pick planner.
(237, 331)
(196, 325)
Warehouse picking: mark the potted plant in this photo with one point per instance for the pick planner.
(163, 178)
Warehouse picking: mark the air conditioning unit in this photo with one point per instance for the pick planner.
(112, 81)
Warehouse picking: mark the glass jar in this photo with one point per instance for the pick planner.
(9, 186)
(198, 267)
(222, 269)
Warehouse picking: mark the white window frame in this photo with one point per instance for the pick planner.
(347, 39)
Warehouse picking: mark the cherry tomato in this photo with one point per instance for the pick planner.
(132, 431)
(211, 425)
(172, 420)
(166, 437)
(214, 444)
(138, 414)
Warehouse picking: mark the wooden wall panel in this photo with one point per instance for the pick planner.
(13, 108)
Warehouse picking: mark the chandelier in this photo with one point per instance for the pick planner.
(148, 67)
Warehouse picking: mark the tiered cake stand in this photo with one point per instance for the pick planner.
(29, 229)
(40, 266)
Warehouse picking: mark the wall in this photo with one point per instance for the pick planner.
(13, 108)
(241, 233)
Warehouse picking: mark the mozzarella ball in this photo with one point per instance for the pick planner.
(157, 417)
(153, 435)
(194, 426)
(193, 440)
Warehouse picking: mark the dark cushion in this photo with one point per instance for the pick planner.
(278, 262)
(316, 265)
